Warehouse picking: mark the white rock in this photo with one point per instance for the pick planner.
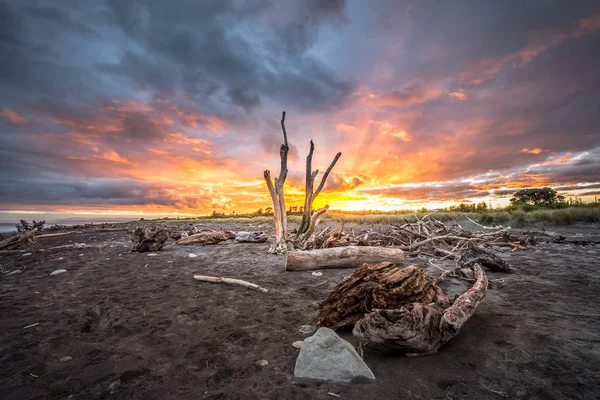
(26, 254)
(317, 273)
(298, 344)
(65, 359)
(262, 363)
(192, 255)
(326, 356)
(58, 271)
(307, 328)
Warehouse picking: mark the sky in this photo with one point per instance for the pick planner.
(160, 107)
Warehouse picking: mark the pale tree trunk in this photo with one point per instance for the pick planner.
(309, 219)
(276, 192)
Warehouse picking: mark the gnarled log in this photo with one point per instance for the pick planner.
(145, 239)
(19, 241)
(212, 237)
(421, 328)
(466, 258)
(377, 286)
(340, 257)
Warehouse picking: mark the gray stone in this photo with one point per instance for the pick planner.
(262, 363)
(65, 359)
(58, 271)
(326, 356)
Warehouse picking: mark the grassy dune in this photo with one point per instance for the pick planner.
(563, 216)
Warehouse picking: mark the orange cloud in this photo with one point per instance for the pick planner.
(345, 128)
(537, 150)
(13, 117)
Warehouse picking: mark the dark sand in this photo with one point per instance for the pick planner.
(536, 335)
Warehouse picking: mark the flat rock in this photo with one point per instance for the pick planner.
(58, 271)
(326, 356)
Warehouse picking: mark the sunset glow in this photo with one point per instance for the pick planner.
(162, 109)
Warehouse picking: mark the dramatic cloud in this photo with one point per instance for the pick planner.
(145, 105)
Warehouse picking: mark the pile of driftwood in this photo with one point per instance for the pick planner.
(404, 309)
(153, 238)
(426, 236)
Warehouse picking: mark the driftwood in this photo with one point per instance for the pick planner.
(230, 281)
(251, 237)
(19, 241)
(24, 226)
(381, 285)
(45, 235)
(421, 328)
(466, 258)
(204, 238)
(403, 309)
(145, 239)
(340, 257)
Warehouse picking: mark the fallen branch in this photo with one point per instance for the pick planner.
(55, 234)
(230, 281)
(340, 257)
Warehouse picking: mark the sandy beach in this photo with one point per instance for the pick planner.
(121, 325)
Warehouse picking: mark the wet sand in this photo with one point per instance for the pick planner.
(139, 327)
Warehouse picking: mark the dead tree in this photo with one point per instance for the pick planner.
(276, 191)
(310, 219)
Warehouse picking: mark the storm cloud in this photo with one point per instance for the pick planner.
(152, 104)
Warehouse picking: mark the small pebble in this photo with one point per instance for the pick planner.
(65, 359)
(152, 254)
(58, 271)
(81, 255)
(262, 363)
(26, 254)
(192, 255)
(297, 344)
(60, 258)
(316, 273)
(307, 328)
(112, 388)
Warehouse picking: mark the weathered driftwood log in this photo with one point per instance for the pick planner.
(19, 241)
(377, 286)
(230, 281)
(421, 328)
(144, 239)
(340, 257)
(466, 258)
(212, 237)
(251, 237)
